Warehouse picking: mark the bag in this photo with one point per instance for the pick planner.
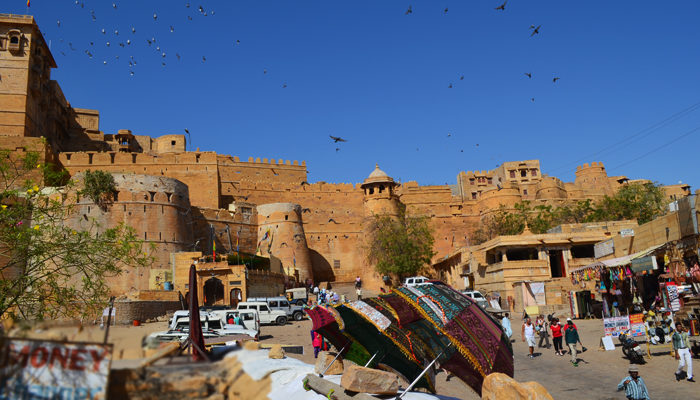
(583, 349)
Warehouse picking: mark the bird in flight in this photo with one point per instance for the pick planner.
(528, 74)
(304, 183)
(284, 85)
(303, 210)
(444, 11)
(187, 131)
(409, 10)
(461, 77)
(532, 99)
(555, 79)
(333, 221)
(502, 7)
(337, 139)
(535, 31)
(337, 149)
(449, 86)
(155, 16)
(204, 59)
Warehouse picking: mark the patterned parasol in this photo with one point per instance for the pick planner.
(326, 322)
(480, 343)
(370, 327)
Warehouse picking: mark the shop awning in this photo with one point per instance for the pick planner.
(620, 261)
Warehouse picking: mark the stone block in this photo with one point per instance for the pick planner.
(501, 386)
(276, 352)
(251, 345)
(368, 380)
(324, 359)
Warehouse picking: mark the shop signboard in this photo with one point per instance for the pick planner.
(626, 232)
(604, 248)
(614, 325)
(644, 264)
(46, 369)
(637, 327)
(673, 299)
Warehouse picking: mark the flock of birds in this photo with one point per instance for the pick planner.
(125, 41)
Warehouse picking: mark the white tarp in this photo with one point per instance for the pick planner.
(44, 369)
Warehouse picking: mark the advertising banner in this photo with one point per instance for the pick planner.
(45, 369)
(637, 327)
(673, 299)
(614, 325)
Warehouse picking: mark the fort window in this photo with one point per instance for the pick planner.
(512, 174)
(533, 172)
(144, 208)
(111, 157)
(474, 196)
(153, 195)
(196, 157)
(371, 190)
(381, 188)
(90, 158)
(170, 196)
(521, 254)
(286, 217)
(160, 236)
(336, 263)
(523, 173)
(124, 207)
(145, 235)
(68, 156)
(490, 181)
(582, 251)
(525, 192)
(471, 181)
(172, 143)
(88, 210)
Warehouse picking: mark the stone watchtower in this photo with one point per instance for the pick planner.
(380, 194)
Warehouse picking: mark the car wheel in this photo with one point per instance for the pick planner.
(300, 303)
(281, 320)
(298, 316)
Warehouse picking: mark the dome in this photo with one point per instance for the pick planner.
(378, 173)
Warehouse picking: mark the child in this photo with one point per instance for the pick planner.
(316, 341)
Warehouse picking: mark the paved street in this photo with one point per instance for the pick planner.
(596, 377)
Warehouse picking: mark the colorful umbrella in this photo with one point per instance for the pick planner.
(327, 322)
(477, 337)
(369, 327)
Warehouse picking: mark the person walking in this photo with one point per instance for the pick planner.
(555, 326)
(505, 323)
(528, 333)
(541, 328)
(634, 386)
(358, 292)
(681, 346)
(316, 341)
(571, 337)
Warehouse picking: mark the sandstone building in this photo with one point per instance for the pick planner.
(189, 201)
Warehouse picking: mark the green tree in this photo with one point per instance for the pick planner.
(400, 246)
(49, 269)
(99, 186)
(640, 201)
(499, 223)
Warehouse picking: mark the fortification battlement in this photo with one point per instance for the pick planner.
(83, 158)
(320, 187)
(147, 189)
(226, 160)
(479, 173)
(550, 181)
(593, 165)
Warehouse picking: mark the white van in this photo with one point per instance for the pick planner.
(293, 311)
(415, 281)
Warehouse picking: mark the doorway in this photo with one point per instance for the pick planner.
(556, 263)
(213, 291)
(236, 296)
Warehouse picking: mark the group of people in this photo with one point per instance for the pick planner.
(324, 296)
(567, 332)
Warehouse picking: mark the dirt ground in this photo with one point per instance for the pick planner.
(596, 377)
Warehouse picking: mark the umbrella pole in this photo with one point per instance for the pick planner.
(336, 357)
(408, 389)
(370, 360)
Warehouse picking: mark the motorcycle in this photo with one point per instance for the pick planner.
(631, 349)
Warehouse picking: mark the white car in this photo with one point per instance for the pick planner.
(267, 316)
(415, 281)
(476, 297)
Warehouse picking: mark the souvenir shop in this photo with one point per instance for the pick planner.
(662, 279)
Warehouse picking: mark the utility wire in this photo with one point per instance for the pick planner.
(638, 135)
(659, 147)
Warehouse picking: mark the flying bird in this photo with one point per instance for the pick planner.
(304, 183)
(528, 74)
(284, 85)
(555, 79)
(304, 210)
(172, 29)
(187, 131)
(58, 22)
(409, 10)
(201, 9)
(238, 42)
(502, 7)
(333, 221)
(187, 5)
(337, 149)
(155, 16)
(103, 31)
(114, 5)
(133, 30)
(449, 86)
(536, 31)
(178, 56)
(204, 59)
(461, 77)
(337, 139)
(444, 11)
(532, 99)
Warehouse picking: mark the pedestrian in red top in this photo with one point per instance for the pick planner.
(556, 336)
(317, 342)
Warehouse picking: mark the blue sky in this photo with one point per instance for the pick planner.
(365, 71)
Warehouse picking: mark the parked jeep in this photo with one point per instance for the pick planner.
(280, 303)
(267, 316)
